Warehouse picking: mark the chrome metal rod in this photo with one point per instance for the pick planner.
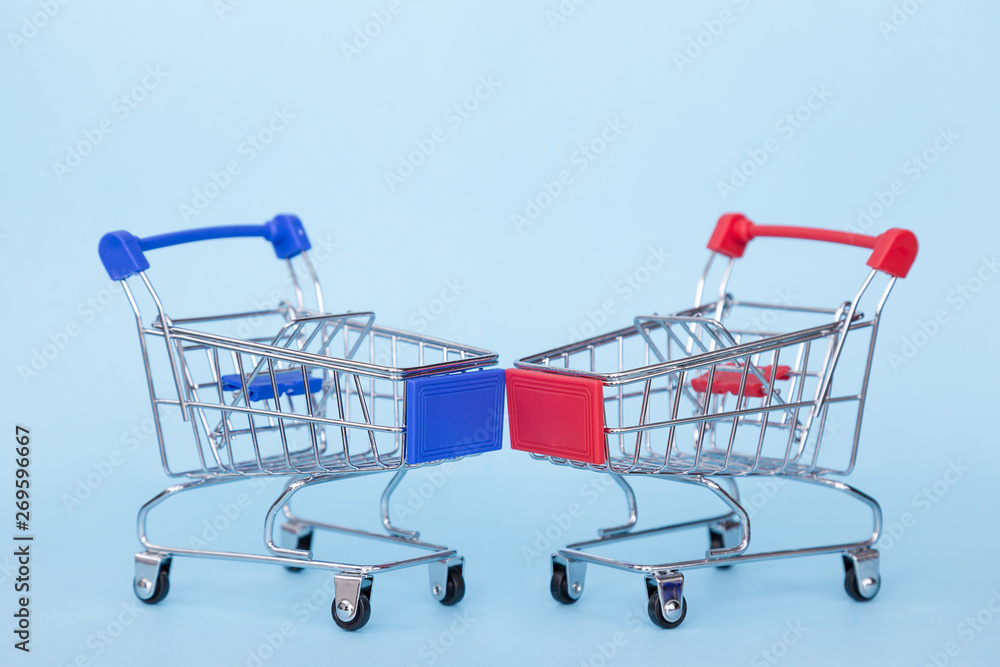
(386, 496)
(440, 553)
(633, 511)
(575, 551)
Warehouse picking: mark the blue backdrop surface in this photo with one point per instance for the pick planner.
(513, 175)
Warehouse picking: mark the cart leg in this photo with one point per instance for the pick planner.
(352, 600)
(862, 580)
(666, 605)
(725, 535)
(447, 580)
(293, 550)
(860, 496)
(386, 496)
(740, 525)
(296, 536)
(568, 577)
(633, 510)
(152, 577)
(734, 489)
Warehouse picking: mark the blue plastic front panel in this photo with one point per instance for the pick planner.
(448, 416)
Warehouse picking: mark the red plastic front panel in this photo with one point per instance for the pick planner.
(556, 415)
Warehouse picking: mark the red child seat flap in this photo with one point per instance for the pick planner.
(727, 379)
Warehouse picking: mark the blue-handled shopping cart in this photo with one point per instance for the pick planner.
(295, 392)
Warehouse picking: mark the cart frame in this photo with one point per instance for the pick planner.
(283, 387)
(732, 362)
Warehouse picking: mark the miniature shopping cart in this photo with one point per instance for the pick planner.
(293, 392)
(709, 395)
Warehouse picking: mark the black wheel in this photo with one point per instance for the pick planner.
(851, 584)
(455, 587)
(161, 588)
(715, 542)
(304, 543)
(364, 612)
(656, 614)
(559, 586)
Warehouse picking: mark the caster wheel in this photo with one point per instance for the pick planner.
(160, 587)
(715, 542)
(455, 587)
(364, 612)
(853, 586)
(559, 586)
(656, 614)
(304, 543)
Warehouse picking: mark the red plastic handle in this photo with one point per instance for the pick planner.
(893, 251)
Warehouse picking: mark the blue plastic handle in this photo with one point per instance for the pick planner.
(122, 252)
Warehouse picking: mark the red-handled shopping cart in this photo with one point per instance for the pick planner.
(724, 390)
(289, 391)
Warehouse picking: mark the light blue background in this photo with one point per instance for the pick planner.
(394, 251)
